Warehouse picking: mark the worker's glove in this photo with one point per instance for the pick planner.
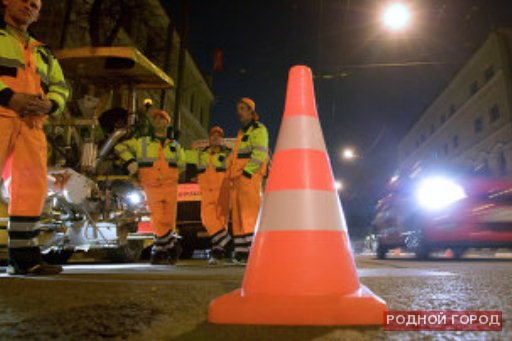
(133, 168)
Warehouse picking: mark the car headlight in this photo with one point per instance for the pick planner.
(437, 193)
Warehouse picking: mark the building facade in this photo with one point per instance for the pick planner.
(143, 24)
(470, 122)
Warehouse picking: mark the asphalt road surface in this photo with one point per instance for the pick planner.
(142, 302)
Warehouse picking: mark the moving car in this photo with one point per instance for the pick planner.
(437, 209)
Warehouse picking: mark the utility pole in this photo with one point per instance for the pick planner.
(185, 12)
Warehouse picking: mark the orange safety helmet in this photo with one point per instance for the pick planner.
(249, 102)
(216, 129)
(159, 112)
(252, 105)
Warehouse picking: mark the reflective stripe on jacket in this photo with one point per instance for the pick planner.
(202, 158)
(251, 150)
(145, 151)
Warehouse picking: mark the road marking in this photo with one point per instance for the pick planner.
(394, 272)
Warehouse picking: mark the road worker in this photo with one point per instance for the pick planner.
(247, 168)
(211, 164)
(32, 87)
(157, 161)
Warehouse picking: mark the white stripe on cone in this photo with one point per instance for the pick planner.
(299, 210)
(300, 132)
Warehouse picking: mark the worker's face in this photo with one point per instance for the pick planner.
(245, 113)
(121, 123)
(215, 140)
(22, 12)
(160, 123)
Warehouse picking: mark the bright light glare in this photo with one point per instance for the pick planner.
(437, 193)
(349, 154)
(135, 198)
(396, 16)
(339, 185)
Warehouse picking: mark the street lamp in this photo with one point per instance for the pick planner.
(348, 154)
(396, 16)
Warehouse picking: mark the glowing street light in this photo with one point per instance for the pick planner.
(396, 16)
(349, 154)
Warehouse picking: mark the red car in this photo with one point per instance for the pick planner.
(440, 210)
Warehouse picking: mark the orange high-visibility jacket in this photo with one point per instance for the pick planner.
(28, 66)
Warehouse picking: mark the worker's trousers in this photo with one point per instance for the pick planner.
(245, 206)
(162, 207)
(215, 209)
(23, 166)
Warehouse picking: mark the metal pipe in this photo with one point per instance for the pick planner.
(132, 105)
(111, 142)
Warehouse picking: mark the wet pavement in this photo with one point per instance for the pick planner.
(138, 301)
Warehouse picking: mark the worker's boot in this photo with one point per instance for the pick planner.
(228, 249)
(221, 242)
(175, 253)
(159, 257)
(240, 258)
(160, 252)
(216, 257)
(27, 261)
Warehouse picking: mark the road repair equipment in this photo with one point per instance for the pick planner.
(301, 270)
(91, 205)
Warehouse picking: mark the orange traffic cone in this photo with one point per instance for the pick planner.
(301, 270)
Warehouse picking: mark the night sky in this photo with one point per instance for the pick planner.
(372, 105)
